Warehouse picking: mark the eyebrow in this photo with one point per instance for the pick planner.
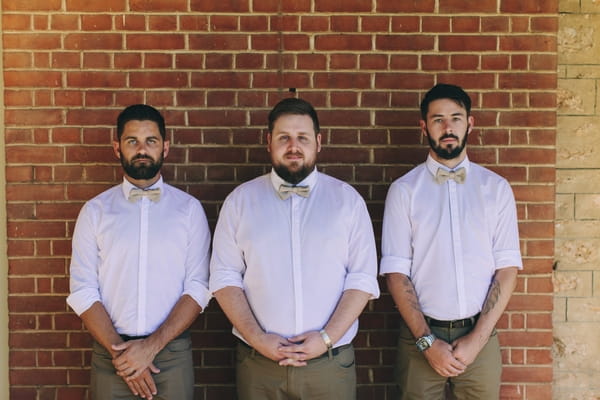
(452, 115)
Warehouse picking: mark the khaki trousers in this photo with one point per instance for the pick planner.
(174, 382)
(324, 378)
(416, 380)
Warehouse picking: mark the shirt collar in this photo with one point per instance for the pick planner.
(310, 180)
(433, 165)
(127, 186)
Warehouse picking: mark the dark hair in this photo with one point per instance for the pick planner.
(296, 106)
(445, 91)
(140, 112)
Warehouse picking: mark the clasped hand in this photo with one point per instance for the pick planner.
(134, 364)
(293, 352)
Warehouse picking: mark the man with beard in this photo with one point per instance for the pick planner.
(293, 265)
(139, 271)
(450, 254)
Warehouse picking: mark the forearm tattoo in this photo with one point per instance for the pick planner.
(492, 297)
(409, 289)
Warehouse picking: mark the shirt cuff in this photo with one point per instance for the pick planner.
(81, 300)
(199, 293)
(391, 264)
(508, 258)
(219, 281)
(363, 282)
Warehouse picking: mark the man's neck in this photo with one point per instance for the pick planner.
(143, 183)
(452, 163)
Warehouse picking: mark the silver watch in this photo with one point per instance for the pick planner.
(425, 342)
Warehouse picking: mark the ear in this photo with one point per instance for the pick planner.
(115, 145)
(471, 122)
(423, 125)
(318, 137)
(166, 147)
(269, 142)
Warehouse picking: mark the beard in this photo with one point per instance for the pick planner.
(294, 176)
(142, 171)
(448, 153)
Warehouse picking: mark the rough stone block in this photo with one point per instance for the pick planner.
(574, 96)
(577, 181)
(587, 206)
(578, 144)
(585, 310)
(577, 254)
(573, 283)
(565, 207)
(578, 39)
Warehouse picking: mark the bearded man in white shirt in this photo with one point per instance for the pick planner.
(450, 253)
(293, 265)
(139, 271)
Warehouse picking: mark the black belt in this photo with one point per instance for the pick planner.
(334, 352)
(457, 323)
(126, 338)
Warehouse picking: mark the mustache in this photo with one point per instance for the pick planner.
(448, 136)
(294, 154)
(142, 157)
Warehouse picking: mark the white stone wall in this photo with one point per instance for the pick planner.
(577, 274)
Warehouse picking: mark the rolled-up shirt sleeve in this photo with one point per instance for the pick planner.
(198, 256)
(84, 284)
(362, 269)
(227, 261)
(396, 242)
(506, 249)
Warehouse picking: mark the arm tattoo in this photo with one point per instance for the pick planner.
(409, 289)
(492, 297)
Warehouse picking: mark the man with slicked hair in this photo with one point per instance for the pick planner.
(139, 271)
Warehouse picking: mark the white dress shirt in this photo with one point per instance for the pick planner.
(450, 238)
(138, 259)
(295, 257)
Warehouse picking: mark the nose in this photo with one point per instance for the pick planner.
(293, 144)
(448, 128)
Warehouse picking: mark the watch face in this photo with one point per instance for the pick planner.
(422, 344)
(425, 342)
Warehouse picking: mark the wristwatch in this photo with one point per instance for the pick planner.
(425, 342)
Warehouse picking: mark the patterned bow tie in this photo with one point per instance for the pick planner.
(135, 194)
(286, 191)
(442, 175)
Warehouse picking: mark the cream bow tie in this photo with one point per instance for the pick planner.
(286, 191)
(135, 194)
(459, 175)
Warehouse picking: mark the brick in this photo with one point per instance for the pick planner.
(46, 41)
(352, 6)
(398, 43)
(405, 24)
(343, 42)
(41, 376)
(218, 42)
(158, 5)
(424, 6)
(160, 41)
(158, 79)
(458, 6)
(467, 43)
(33, 5)
(231, 6)
(341, 80)
(86, 6)
(529, 7)
(529, 81)
(93, 41)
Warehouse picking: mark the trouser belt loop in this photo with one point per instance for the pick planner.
(329, 353)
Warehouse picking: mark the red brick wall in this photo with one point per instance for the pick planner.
(215, 67)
